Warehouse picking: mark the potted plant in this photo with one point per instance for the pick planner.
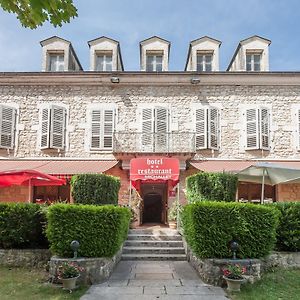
(173, 212)
(68, 273)
(233, 274)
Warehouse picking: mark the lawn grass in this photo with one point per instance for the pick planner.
(19, 283)
(280, 284)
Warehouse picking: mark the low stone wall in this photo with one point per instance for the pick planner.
(96, 269)
(281, 259)
(24, 257)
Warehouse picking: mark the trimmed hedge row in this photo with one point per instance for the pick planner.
(22, 226)
(288, 231)
(100, 230)
(211, 187)
(95, 189)
(210, 226)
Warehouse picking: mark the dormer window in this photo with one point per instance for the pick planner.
(103, 61)
(56, 62)
(253, 61)
(154, 61)
(204, 61)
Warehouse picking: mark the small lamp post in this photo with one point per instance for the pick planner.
(75, 246)
(234, 247)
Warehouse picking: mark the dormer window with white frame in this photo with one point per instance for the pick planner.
(253, 61)
(103, 61)
(53, 127)
(102, 128)
(154, 61)
(257, 128)
(56, 62)
(207, 131)
(204, 61)
(7, 126)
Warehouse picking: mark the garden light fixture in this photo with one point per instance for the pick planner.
(75, 246)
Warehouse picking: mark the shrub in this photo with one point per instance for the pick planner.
(210, 226)
(21, 226)
(100, 230)
(211, 187)
(95, 189)
(288, 231)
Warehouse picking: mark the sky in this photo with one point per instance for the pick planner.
(178, 21)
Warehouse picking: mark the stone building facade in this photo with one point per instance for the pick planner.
(209, 119)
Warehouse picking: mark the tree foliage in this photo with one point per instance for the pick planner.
(33, 13)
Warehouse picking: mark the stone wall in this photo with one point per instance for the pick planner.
(14, 194)
(24, 257)
(288, 192)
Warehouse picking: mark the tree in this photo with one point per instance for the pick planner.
(33, 13)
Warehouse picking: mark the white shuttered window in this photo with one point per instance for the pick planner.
(7, 126)
(257, 128)
(207, 128)
(102, 128)
(53, 127)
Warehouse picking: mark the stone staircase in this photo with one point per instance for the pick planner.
(153, 244)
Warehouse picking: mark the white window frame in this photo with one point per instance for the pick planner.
(58, 63)
(251, 54)
(106, 63)
(154, 62)
(203, 62)
(13, 125)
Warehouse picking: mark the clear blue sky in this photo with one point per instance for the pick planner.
(179, 21)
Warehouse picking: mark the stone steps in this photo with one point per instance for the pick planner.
(153, 250)
(149, 237)
(154, 257)
(153, 243)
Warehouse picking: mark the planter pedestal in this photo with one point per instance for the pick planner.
(233, 285)
(69, 283)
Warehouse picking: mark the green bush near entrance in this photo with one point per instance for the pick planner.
(209, 227)
(95, 189)
(22, 226)
(211, 187)
(100, 230)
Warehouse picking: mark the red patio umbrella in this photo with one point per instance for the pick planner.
(28, 178)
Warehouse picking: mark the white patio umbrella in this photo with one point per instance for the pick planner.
(269, 173)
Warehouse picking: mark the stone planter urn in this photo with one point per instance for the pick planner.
(69, 283)
(234, 285)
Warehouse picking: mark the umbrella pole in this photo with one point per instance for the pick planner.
(263, 188)
(29, 190)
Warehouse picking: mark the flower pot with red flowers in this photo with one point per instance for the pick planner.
(233, 274)
(68, 273)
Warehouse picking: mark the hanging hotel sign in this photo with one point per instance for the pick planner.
(154, 168)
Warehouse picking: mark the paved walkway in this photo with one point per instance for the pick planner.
(147, 280)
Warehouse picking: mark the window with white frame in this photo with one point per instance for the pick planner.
(253, 61)
(53, 127)
(154, 61)
(56, 62)
(257, 128)
(102, 128)
(204, 61)
(7, 126)
(103, 61)
(207, 128)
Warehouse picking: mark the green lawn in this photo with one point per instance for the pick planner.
(278, 285)
(18, 283)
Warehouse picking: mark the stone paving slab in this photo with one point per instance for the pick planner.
(154, 276)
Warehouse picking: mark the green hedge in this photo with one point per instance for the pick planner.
(288, 231)
(96, 189)
(21, 226)
(211, 187)
(210, 226)
(100, 230)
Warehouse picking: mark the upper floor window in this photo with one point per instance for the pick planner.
(207, 128)
(102, 128)
(7, 126)
(56, 62)
(53, 127)
(154, 61)
(204, 62)
(253, 61)
(257, 128)
(103, 61)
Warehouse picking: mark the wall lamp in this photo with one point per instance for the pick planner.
(195, 80)
(115, 79)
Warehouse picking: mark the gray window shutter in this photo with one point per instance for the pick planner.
(252, 129)
(201, 128)
(161, 128)
(7, 126)
(213, 128)
(147, 129)
(58, 127)
(264, 129)
(45, 128)
(96, 129)
(108, 128)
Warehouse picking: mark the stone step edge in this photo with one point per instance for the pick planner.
(152, 248)
(153, 255)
